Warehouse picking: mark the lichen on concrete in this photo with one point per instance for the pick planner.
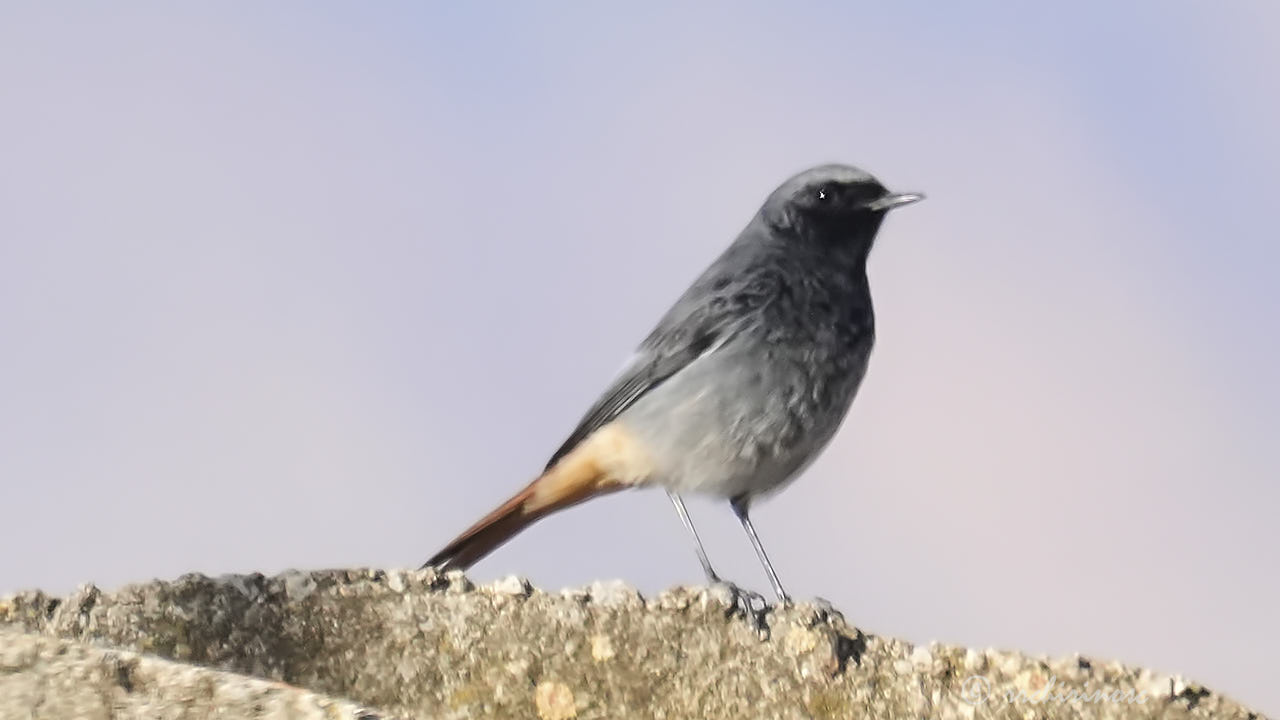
(420, 644)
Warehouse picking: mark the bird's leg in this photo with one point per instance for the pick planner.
(712, 577)
(751, 602)
(739, 505)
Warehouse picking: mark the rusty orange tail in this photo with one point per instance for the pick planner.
(597, 467)
(486, 535)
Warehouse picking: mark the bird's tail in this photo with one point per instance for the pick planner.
(577, 477)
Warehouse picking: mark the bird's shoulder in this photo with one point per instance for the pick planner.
(772, 292)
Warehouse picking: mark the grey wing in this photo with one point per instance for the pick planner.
(650, 368)
(704, 318)
(710, 312)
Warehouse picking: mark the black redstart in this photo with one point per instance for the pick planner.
(742, 383)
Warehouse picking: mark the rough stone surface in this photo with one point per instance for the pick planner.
(47, 678)
(420, 644)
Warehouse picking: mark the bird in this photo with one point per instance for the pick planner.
(741, 384)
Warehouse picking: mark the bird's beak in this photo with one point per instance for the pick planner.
(893, 200)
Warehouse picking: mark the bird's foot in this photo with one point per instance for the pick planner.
(747, 603)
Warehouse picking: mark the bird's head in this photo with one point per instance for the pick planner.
(832, 202)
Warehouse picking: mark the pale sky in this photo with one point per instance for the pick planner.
(316, 285)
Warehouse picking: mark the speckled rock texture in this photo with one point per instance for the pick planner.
(366, 644)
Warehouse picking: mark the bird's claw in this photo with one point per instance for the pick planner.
(748, 603)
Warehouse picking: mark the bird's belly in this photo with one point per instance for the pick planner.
(738, 424)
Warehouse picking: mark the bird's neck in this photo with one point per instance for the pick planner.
(845, 254)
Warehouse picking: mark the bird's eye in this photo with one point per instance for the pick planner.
(825, 194)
